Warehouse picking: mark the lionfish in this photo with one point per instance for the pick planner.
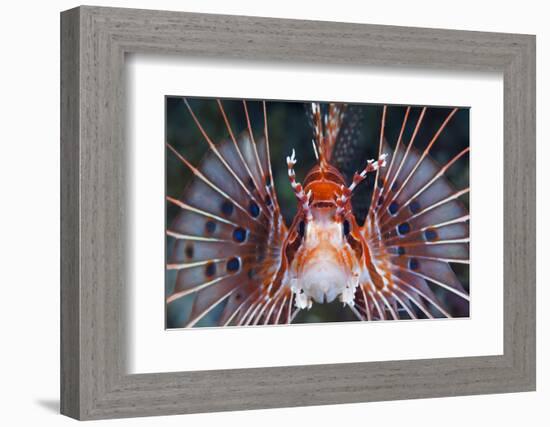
(232, 247)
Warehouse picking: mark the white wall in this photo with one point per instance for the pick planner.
(29, 177)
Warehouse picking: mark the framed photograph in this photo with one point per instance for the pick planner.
(248, 244)
(291, 213)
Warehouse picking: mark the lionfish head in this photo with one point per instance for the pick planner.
(324, 248)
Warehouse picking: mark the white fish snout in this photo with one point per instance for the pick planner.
(323, 283)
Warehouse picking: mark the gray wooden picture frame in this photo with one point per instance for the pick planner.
(94, 42)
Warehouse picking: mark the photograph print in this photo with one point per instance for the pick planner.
(293, 212)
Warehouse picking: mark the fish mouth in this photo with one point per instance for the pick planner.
(323, 283)
(322, 291)
(324, 204)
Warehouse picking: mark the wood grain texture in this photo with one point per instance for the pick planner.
(70, 314)
(94, 382)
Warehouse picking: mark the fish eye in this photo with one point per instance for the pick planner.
(346, 227)
(301, 228)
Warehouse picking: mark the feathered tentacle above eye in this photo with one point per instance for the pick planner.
(416, 227)
(228, 234)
